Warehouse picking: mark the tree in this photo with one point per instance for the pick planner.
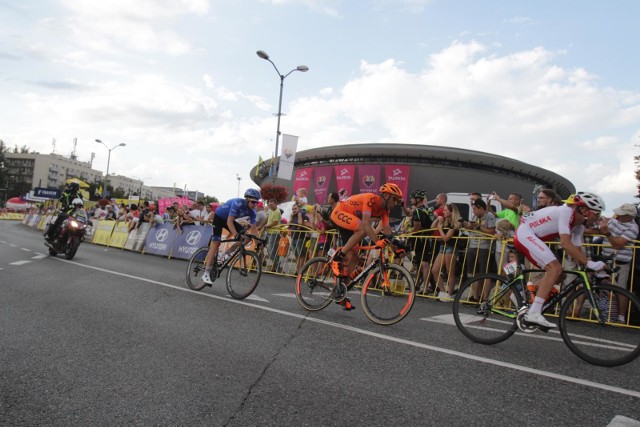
(271, 191)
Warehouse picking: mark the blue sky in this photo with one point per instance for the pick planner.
(550, 83)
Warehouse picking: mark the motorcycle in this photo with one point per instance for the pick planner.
(68, 239)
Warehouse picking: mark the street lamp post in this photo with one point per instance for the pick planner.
(239, 178)
(303, 68)
(106, 185)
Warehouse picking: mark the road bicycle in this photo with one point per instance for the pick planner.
(587, 316)
(243, 266)
(387, 290)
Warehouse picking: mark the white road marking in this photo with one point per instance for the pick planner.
(12, 245)
(26, 249)
(255, 297)
(291, 295)
(20, 262)
(39, 256)
(533, 371)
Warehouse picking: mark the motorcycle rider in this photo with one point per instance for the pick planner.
(78, 210)
(70, 194)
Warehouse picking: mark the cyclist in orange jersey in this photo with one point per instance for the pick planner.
(352, 218)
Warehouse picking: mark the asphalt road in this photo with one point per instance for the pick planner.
(115, 337)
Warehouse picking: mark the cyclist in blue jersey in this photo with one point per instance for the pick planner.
(225, 217)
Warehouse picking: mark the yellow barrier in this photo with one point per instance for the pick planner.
(12, 216)
(119, 235)
(102, 233)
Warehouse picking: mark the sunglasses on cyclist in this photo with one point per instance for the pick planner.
(252, 201)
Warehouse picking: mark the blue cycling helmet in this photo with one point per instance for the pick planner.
(252, 193)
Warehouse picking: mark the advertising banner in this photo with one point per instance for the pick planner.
(102, 231)
(160, 240)
(135, 241)
(369, 178)
(288, 156)
(119, 235)
(321, 181)
(47, 193)
(192, 238)
(399, 175)
(345, 174)
(303, 177)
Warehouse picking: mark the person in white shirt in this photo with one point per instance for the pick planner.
(567, 222)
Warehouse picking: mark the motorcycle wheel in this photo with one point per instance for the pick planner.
(52, 252)
(72, 248)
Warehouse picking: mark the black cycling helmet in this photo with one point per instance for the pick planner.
(418, 194)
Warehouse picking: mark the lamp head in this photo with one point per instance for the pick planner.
(97, 140)
(122, 144)
(262, 54)
(302, 68)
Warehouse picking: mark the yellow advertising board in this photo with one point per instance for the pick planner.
(119, 235)
(102, 233)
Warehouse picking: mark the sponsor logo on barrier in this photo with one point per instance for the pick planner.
(193, 238)
(187, 249)
(158, 246)
(162, 234)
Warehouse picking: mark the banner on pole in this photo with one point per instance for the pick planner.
(288, 156)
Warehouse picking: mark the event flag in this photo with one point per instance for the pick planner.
(369, 178)
(344, 178)
(303, 177)
(321, 181)
(259, 165)
(399, 175)
(288, 156)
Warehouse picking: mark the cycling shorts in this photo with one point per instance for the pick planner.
(532, 247)
(345, 220)
(219, 224)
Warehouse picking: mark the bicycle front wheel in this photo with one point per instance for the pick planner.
(604, 342)
(315, 284)
(386, 302)
(195, 268)
(485, 309)
(244, 274)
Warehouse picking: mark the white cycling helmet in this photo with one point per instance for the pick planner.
(77, 201)
(590, 200)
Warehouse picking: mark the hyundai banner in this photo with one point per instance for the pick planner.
(160, 240)
(192, 238)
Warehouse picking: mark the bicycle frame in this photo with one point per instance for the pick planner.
(232, 255)
(581, 279)
(373, 264)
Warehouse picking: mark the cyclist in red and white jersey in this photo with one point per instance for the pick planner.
(567, 222)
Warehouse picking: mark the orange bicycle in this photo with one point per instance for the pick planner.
(387, 291)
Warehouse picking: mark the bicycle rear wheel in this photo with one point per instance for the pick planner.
(314, 284)
(195, 268)
(388, 303)
(244, 274)
(607, 342)
(484, 311)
